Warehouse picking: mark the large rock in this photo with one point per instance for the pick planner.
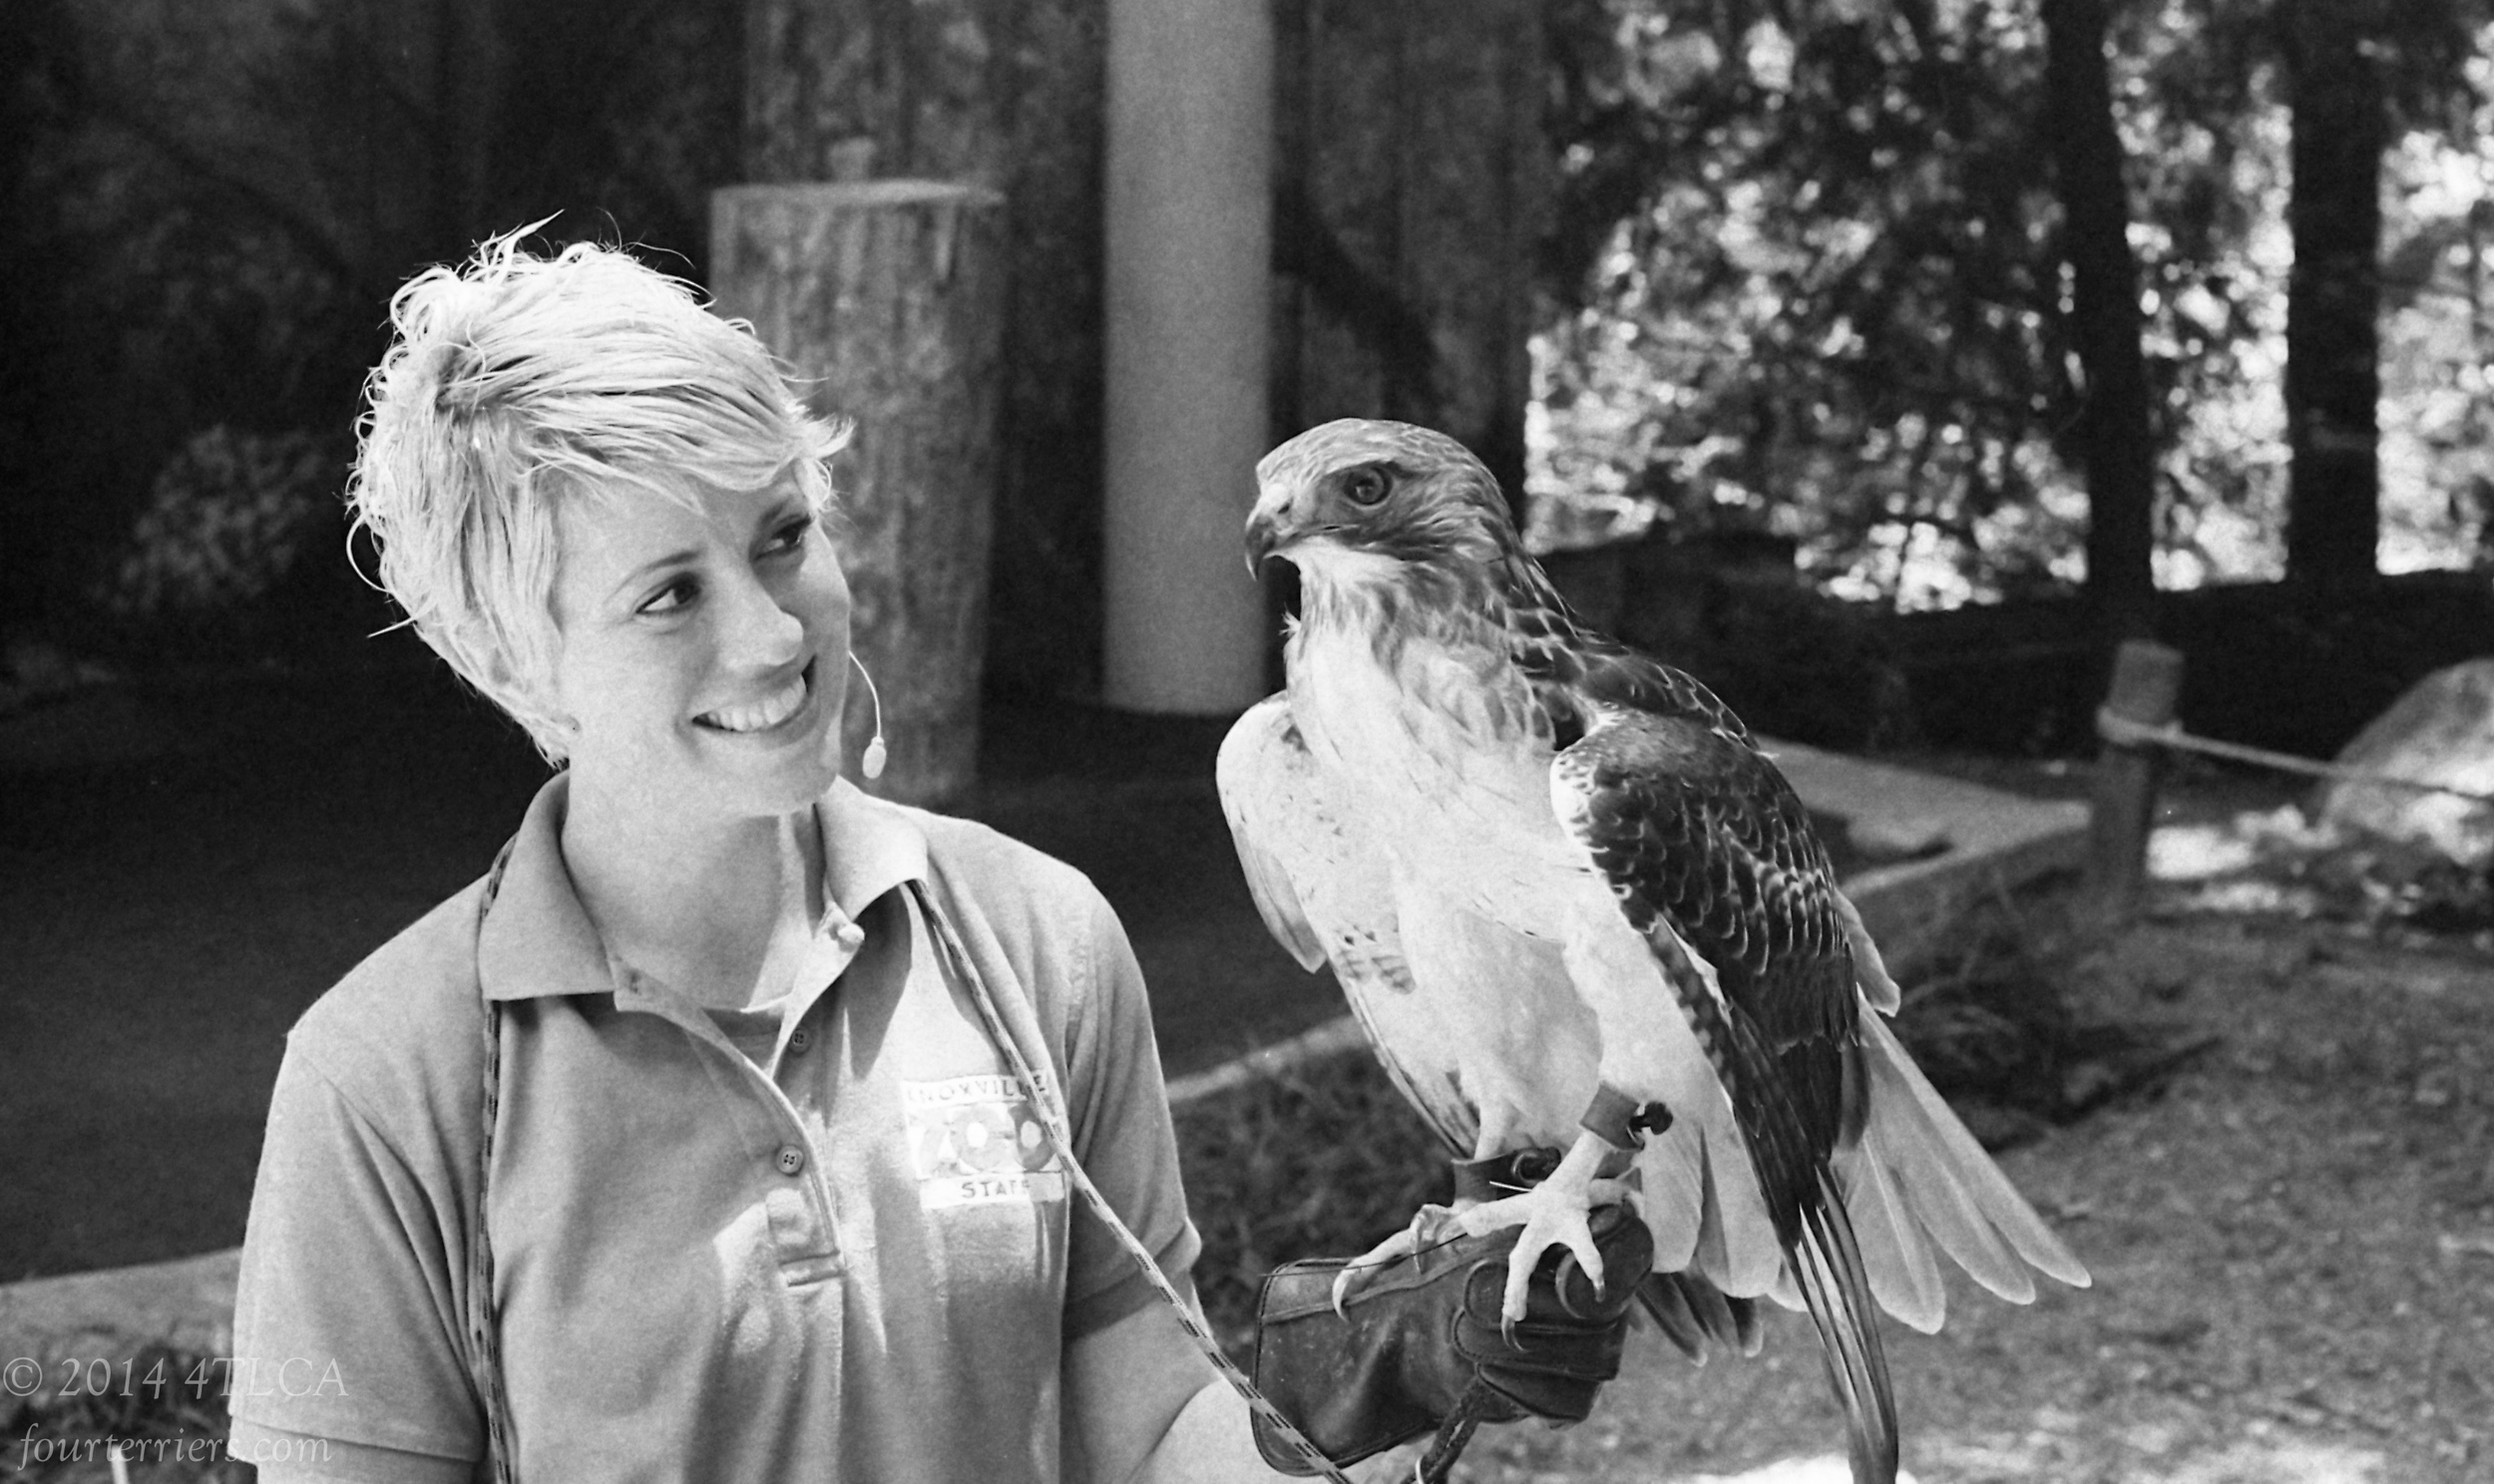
(2441, 731)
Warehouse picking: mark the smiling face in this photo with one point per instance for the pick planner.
(703, 651)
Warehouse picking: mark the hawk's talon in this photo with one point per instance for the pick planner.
(1429, 1226)
(1552, 1214)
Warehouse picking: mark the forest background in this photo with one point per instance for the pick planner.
(2064, 309)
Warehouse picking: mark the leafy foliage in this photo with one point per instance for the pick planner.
(227, 517)
(1807, 277)
(1834, 312)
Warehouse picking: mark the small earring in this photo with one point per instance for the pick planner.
(872, 761)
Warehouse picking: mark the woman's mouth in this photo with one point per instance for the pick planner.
(766, 713)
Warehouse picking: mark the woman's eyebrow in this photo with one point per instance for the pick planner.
(655, 565)
(788, 504)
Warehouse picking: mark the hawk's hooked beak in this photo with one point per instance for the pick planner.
(1264, 535)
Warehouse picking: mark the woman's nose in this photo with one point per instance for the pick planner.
(759, 631)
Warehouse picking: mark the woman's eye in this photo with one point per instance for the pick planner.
(790, 537)
(673, 595)
(1365, 486)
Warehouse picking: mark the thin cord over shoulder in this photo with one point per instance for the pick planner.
(1051, 1112)
(484, 1327)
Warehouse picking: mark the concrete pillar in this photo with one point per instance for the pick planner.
(1189, 231)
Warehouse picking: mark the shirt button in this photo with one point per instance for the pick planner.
(799, 1039)
(848, 936)
(791, 1159)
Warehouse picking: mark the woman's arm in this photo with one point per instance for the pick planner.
(1143, 1405)
(345, 1334)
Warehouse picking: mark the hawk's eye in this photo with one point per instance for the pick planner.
(1365, 486)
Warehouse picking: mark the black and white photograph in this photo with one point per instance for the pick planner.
(1185, 741)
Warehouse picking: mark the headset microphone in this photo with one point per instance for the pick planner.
(871, 763)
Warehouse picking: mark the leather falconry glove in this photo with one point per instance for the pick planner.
(1420, 1343)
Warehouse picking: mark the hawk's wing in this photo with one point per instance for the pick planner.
(1695, 831)
(1693, 827)
(1328, 895)
(1710, 856)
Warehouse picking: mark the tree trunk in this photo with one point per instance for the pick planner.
(836, 89)
(2114, 436)
(1410, 184)
(886, 298)
(1007, 94)
(2334, 377)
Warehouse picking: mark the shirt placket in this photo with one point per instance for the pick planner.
(800, 1203)
(795, 1086)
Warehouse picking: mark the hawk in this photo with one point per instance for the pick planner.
(1575, 908)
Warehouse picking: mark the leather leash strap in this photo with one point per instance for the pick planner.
(484, 1329)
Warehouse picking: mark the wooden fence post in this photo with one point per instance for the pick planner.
(886, 297)
(2147, 684)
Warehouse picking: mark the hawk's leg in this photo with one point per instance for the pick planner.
(1433, 1223)
(1552, 1214)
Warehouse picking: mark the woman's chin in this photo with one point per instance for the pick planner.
(800, 782)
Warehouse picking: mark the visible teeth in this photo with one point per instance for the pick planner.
(770, 711)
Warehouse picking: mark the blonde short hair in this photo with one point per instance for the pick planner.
(518, 383)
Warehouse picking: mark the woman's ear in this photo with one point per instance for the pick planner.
(524, 690)
(505, 676)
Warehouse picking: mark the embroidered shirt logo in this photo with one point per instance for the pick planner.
(976, 1141)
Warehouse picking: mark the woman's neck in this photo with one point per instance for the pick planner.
(698, 905)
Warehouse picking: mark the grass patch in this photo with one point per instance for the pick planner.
(1996, 1022)
(1322, 1159)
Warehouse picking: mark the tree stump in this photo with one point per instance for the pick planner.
(1410, 190)
(886, 300)
(1008, 94)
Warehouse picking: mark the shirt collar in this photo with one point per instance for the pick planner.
(536, 939)
(870, 846)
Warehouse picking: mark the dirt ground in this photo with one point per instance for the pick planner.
(2292, 1239)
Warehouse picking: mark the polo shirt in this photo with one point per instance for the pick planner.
(843, 1250)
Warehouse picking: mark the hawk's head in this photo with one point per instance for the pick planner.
(1356, 496)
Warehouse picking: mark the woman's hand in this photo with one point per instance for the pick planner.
(1422, 1340)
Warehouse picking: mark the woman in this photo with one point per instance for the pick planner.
(689, 1141)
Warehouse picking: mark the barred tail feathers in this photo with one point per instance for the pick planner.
(1915, 1186)
(1691, 1312)
(1916, 1179)
(1833, 1285)
(1702, 1203)
(1904, 1275)
(1701, 1194)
